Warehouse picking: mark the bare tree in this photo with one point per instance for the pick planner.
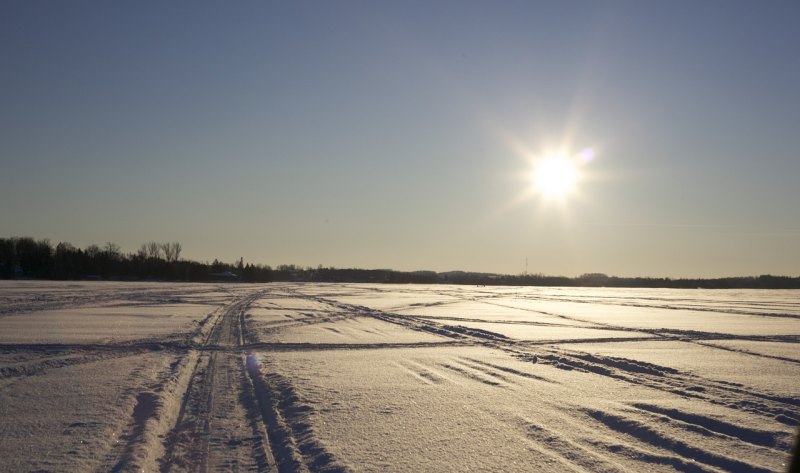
(65, 247)
(112, 251)
(167, 249)
(153, 250)
(142, 253)
(93, 250)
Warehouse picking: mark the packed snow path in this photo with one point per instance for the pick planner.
(324, 377)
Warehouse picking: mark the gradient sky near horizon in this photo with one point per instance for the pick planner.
(402, 134)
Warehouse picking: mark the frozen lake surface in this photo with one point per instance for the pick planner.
(104, 376)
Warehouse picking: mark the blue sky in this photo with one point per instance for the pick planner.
(402, 134)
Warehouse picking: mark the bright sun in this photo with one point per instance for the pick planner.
(555, 176)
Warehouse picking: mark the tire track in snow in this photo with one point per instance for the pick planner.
(286, 417)
(783, 409)
(234, 414)
(647, 434)
(198, 416)
(674, 453)
(512, 371)
(709, 427)
(419, 372)
(213, 431)
(470, 374)
(666, 304)
(581, 457)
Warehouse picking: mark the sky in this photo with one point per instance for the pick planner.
(407, 135)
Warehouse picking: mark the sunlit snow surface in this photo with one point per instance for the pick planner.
(103, 376)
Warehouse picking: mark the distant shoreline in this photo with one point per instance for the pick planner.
(345, 276)
(26, 258)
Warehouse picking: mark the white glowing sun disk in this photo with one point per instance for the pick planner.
(556, 176)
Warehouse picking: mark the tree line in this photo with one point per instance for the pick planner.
(25, 257)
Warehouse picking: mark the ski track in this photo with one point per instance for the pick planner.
(220, 407)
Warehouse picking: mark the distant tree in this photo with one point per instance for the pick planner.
(153, 250)
(66, 261)
(166, 248)
(26, 257)
(112, 251)
(218, 266)
(34, 257)
(7, 259)
(93, 251)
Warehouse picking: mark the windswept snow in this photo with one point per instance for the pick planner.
(744, 369)
(101, 324)
(342, 330)
(122, 377)
(553, 332)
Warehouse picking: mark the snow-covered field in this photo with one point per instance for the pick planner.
(101, 376)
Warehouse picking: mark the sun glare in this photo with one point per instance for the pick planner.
(555, 176)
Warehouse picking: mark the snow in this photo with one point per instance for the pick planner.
(100, 324)
(665, 317)
(74, 417)
(490, 312)
(776, 349)
(553, 332)
(749, 371)
(347, 330)
(112, 376)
